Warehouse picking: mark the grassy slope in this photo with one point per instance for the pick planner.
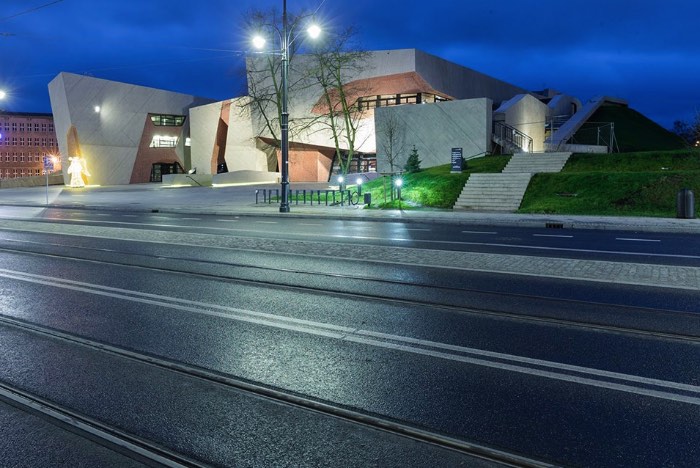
(633, 184)
(633, 131)
(434, 187)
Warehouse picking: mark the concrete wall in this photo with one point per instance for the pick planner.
(109, 140)
(35, 181)
(462, 82)
(435, 129)
(563, 104)
(203, 125)
(527, 114)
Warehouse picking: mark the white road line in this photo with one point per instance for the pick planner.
(266, 222)
(103, 214)
(587, 375)
(416, 229)
(425, 241)
(309, 224)
(227, 220)
(552, 235)
(190, 219)
(129, 216)
(636, 240)
(479, 232)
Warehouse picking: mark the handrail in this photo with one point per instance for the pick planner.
(512, 135)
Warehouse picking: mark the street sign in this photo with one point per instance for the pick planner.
(48, 164)
(456, 160)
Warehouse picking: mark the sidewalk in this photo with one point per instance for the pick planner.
(240, 200)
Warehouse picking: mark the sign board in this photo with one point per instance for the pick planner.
(456, 160)
(48, 164)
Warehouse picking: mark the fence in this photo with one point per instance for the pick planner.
(334, 197)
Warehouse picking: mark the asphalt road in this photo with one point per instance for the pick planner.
(251, 357)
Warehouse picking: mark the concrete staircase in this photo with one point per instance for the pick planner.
(493, 192)
(504, 192)
(534, 163)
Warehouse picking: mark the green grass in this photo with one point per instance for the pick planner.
(633, 131)
(633, 184)
(651, 161)
(434, 187)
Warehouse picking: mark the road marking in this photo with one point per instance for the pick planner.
(266, 222)
(129, 216)
(479, 232)
(636, 240)
(227, 220)
(661, 389)
(553, 235)
(309, 224)
(415, 229)
(191, 219)
(103, 214)
(398, 239)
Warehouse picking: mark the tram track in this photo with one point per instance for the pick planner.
(346, 285)
(156, 454)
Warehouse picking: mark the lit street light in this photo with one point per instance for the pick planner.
(259, 42)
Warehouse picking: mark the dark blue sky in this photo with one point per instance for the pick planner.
(647, 52)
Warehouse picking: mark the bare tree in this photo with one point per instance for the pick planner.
(335, 64)
(689, 131)
(263, 74)
(391, 138)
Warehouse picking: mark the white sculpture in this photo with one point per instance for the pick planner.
(77, 168)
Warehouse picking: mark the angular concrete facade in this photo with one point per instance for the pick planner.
(387, 78)
(108, 124)
(439, 105)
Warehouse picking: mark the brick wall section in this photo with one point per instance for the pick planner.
(147, 156)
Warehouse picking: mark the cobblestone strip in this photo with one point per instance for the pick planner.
(591, 270)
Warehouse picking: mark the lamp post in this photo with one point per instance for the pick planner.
(259, 42)
(284, 124)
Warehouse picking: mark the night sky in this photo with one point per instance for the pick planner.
(647, 52)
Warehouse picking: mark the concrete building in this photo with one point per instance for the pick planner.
(125, 133)
(132, 134)
(25, 138)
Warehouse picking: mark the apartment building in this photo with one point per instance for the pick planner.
(25, 138)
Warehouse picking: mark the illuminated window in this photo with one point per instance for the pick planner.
(161, 120)
(160, 141)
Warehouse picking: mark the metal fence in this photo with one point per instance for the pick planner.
(318, 197)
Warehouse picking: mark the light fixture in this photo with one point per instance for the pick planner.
(341, 179)
(398, 182)
(314, 31)
(3, 94)
(359, 181)
(97, 109)
(259, 42)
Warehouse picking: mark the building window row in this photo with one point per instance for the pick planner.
(385, 100)
(20, 158)
(14, 172)
(27, 127)
(163, 120)
(21, 141)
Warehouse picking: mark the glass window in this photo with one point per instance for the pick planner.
(161, 120)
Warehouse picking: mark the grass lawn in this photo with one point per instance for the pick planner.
(633, 131)
(650, 161)
(434, 187)
(632, 184)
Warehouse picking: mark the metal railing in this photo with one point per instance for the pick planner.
(505, 135)
(327, 197)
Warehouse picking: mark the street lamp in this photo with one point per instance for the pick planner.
(259, 42)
